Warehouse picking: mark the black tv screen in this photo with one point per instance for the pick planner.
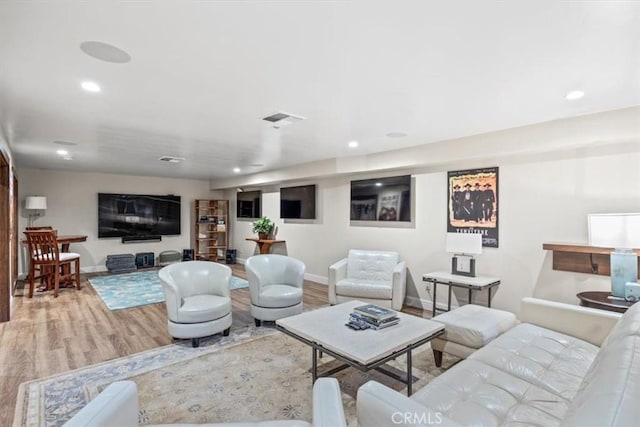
(381, 199)
(138, 215)
(248, 204)
(298, 202)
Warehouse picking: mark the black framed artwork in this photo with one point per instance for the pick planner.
(472, 203)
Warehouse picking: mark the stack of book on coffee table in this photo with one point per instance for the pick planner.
(372, 316)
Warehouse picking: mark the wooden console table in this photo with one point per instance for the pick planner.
(603, 301)
(264, 245)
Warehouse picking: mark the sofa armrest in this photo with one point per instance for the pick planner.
(117, 405)
(328, 410)
(337, 272)
(588, 324)
(399, 285)
(378, 405)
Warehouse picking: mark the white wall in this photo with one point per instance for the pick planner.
(72, 208)
(543, 198)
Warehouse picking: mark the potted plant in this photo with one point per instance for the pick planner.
(263, 226)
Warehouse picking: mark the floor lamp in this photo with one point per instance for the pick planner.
(35, 204)
(621, 232)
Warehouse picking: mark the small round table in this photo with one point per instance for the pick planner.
(603, 301)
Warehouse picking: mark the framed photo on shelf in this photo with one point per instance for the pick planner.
(463, 265)
(472, 203)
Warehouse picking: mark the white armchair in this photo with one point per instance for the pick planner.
(376, 277)
(197, 298)
(117, 405)
(275, 285)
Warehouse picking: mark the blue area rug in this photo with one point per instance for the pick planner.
(120, 291)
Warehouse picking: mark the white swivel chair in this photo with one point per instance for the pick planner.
(376, 277)
(197, 297)
(275, 285)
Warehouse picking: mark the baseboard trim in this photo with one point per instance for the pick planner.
(425, 304)
(323, 280)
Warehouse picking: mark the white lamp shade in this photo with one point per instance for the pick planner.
(36, 202)
(464, 243)
(620, 230)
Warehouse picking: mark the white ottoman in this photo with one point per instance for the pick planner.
(469, 328)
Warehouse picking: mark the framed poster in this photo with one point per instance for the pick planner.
(472, 205)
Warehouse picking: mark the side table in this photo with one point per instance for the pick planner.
(264, 245)
(603, 301)
(477, 283)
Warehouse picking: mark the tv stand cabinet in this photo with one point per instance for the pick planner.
(211, 229)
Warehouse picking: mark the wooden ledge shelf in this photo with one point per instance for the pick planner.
(581, 258)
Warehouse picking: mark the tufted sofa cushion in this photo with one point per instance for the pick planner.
(372, 266)
(475, 394)
(548, 359)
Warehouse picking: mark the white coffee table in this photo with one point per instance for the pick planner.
(324, 331)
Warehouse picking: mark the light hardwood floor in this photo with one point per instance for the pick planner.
(47, 336)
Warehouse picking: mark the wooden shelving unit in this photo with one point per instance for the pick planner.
(581, 258)
(211, 229)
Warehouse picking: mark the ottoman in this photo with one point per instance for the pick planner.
(469, 328)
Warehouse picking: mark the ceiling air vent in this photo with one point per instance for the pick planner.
(281, 119)
(171, 159)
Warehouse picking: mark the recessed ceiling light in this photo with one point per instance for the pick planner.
(68, 143)
(396, 134)
(89, 86)
(171, 159)
(353, 144)
(62, 152)
(574, 94)
(236, 170)
(378, 184)
(105, 52)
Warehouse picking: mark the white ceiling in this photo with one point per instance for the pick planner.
(203, 74)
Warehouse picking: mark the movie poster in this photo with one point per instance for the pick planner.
(473, 203)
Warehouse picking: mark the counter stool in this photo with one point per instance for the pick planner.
(468, 329)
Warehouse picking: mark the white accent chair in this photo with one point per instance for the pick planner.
(197, 298)
(275, 285)
(117, 405)
(376, 277)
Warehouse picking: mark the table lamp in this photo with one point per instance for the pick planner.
(35, 204)
(620, 231)
(464, 246)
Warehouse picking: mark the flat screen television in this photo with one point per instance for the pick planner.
(381, 199)
(248, 204)
(298, 202)
(124, 215)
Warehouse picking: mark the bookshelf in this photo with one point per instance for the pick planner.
(211, 229)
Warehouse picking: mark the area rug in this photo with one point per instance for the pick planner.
(254, 374)
(120, 291)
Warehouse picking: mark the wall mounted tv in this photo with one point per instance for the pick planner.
(298, 202)
(381, 199)
(138, 215)
(248, 204)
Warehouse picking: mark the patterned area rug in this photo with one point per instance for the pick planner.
(120, 291)
(254, 374)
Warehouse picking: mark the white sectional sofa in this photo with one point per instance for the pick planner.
(563, 365)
